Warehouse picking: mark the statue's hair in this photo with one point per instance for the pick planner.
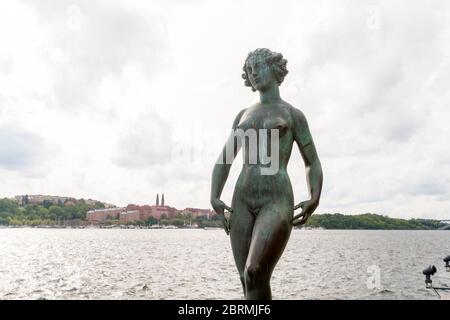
(274, 59)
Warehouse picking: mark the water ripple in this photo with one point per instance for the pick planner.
(198, 264)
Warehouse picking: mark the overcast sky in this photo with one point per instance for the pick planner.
(120, 100)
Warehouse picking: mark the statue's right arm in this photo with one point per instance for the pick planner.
(222, 168)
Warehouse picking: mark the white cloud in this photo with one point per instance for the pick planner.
(145, 142)
(19, 149)
(87, 41)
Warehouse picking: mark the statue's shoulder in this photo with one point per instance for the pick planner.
(238, 117)
(300, 127)
(296, 114)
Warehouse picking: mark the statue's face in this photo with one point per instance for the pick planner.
(260, 73)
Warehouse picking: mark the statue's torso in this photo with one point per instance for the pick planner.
(253, 186)
(261, 120)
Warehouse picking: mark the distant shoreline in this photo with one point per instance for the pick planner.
(74, 214)
(106, 227)
(125, 227)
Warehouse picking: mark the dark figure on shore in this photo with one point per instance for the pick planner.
(262, 209)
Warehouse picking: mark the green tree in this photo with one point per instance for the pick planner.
(151, 221)
(8, 205)
(47, 203)
(177, 222)
(57, 212)
(99, 205)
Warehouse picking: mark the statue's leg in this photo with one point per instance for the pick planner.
(241, 226)
(271, 232)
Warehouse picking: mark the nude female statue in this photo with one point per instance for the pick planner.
(262, 209)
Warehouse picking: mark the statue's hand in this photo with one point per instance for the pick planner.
(219, 207)
(308, 208)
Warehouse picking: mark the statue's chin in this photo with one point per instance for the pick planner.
(260, 87)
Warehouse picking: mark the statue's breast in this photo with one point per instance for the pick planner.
(264, 122)
(246, 123)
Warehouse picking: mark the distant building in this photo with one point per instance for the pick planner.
(38, 199)
(169, 212)
(130, 216)
(156, 212)
(101, 215)
(92, 202)
(70, 202)
(130, 213)
(196, 212)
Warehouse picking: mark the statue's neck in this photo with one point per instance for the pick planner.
(270, 95)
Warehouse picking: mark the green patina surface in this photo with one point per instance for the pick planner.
(262, 209)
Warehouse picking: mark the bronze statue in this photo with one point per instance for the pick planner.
(262, 209)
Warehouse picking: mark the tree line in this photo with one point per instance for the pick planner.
(370, 221)
(50, 214)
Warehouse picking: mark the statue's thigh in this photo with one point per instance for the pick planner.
(270, 235)
(241, 227)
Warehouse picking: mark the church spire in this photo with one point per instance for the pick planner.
(157, 199)
(162, 199)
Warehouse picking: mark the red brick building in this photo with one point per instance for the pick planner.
(129, 216)
(156, 212)
(133, 212)
(101, 215)
(195, 212)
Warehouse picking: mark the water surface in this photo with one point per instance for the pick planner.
(198, 264)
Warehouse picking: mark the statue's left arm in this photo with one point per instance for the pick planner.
(314, 175)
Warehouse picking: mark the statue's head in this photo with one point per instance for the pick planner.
(263, 69)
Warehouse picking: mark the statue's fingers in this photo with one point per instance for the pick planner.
(301, 214)
(301, 205)
(229, 208)
(225, 227)
(304, 219)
